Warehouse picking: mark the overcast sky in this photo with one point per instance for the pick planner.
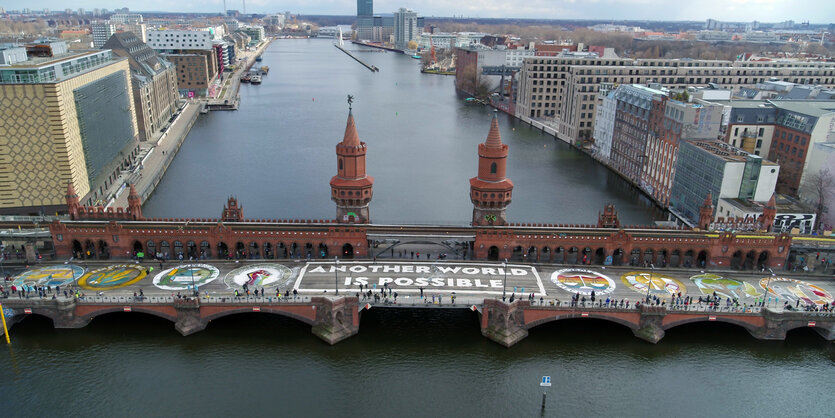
(816, 11)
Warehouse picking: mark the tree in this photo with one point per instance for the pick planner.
(817, 190)
(413, 45)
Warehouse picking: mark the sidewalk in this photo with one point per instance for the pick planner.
(155, 157)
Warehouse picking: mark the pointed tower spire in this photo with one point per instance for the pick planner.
(491, 190)
(351, 138)
(351, 187)
(494, 137)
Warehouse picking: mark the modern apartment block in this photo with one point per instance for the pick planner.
(102, 31)
(154, 82)
(66, 118)
(405, 27)
(168, 40)
(563, 92)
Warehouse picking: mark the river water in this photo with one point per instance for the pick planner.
(277, 155)
(277, 152)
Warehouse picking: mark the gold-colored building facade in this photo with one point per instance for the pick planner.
(41, 148)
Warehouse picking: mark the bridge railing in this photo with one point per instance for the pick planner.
(168, 300)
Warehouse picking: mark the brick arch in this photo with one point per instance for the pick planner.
(532, 318)
(751, 328)
(248, 309)
(155, 311)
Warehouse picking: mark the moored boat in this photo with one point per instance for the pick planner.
(246, 78)
(256, 79)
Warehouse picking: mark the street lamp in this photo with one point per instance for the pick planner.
(651, 271)
(504, 281)
(336, 274)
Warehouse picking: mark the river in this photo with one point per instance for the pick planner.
(407, 363)
(276, 154)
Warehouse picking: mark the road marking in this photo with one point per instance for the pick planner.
(539, 282)
(301, 276)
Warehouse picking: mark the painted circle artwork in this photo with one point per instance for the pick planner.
(113, 277)
(257, 276)
(182, 277)
(724, 286)
(583, 281)
(49, 276)
(658, 284)
(793, 290)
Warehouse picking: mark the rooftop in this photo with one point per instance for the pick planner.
(38, 62)
(785, 204)
(726, 151)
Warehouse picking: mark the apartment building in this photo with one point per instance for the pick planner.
(154, 82)
(563, 92)
(785, 131)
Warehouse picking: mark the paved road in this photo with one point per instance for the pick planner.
(407, 277)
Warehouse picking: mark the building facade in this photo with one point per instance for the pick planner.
(154, 82)
(635, 104)
(554, 90)
(102, 31)
(65, 119)
(405, 28)
(712, 167)
(169, 40)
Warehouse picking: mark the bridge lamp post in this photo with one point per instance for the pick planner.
(336, 274)
(504, 281)
(651, 274)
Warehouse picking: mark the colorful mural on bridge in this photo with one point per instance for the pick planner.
(793, 290)
(48, 276)
(182, 277)
(583, 281)
(258, 275)
(658, 284)
(113, 277)
(708, 283)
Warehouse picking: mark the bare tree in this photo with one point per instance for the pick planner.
(816, 190)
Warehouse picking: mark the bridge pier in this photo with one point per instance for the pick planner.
(189, 318)
(650, 326)
(504, 323)
(336, 319)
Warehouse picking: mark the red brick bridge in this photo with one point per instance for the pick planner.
(334, 320)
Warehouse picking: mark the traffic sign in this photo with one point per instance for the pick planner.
(546, 381)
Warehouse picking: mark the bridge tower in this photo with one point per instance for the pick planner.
(135, 204)
(491, 191)
(706, 212)
(72, 202)
(351, 187)
(232, 211)
(769, 213)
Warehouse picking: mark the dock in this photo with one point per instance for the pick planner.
(369, 66)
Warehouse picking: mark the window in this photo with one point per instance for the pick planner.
(340, 163)
(762, 132)
(493, 168)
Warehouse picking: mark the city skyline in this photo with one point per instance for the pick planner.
(727, 10)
